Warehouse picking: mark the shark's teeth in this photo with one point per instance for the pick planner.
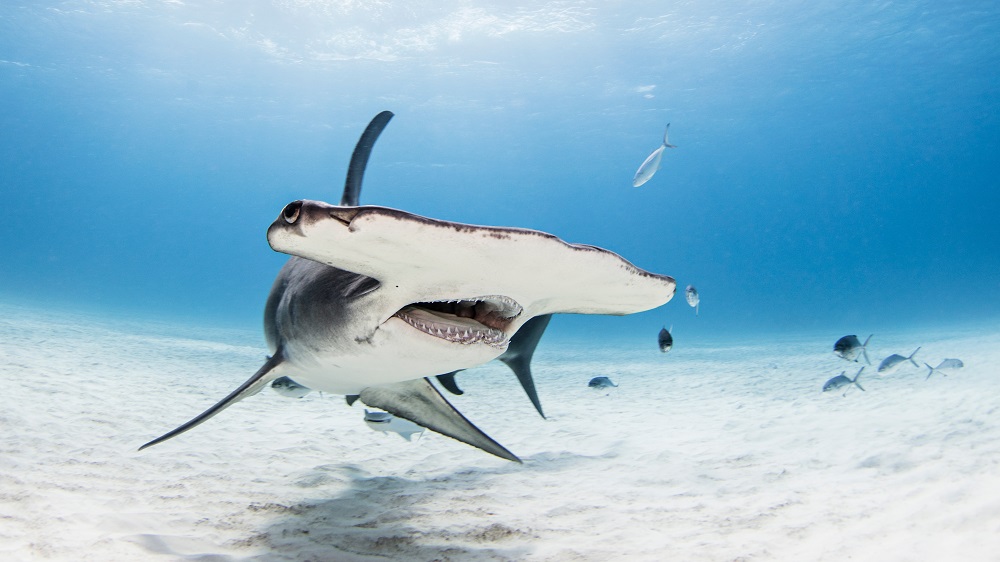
(467, 321)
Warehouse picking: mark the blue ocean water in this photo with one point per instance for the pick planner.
(836, 165)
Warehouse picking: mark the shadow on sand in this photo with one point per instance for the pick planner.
(444, 517)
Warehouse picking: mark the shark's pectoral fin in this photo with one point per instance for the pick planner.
(418, 401)
(448, 381)
(520, 351)
(252, 386)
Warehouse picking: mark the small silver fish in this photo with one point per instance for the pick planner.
(691, 294)
(601, 382)
(287, 387)
(386, 422)
(652, 162)
(945, 364)
(841, 381)
(666, 340)
(850, 348)
(892, 363)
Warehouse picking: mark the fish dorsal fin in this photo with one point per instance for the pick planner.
(359, 159)
(252, 386)
(418, 401)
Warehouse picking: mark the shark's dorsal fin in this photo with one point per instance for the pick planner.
(359, 159)
(519, 352)
(418, 401)
(252, 386)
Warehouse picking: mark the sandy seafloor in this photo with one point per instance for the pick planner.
(707, 453)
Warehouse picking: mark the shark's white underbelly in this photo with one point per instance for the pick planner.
(384, 360)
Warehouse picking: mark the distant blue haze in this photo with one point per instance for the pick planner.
(837, 169)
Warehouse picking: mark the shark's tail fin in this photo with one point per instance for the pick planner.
(910, 358)
(519, 353)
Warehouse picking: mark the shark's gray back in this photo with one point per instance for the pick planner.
(311, 300)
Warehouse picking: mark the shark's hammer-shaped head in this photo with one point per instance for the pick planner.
(442, 282)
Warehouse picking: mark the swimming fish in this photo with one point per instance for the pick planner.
(841, 381)
(666, 340)
(601, 382)
(691, 294)
(945, 364)
(652, 162)
(386, 422)
(892, 363)
(287, 387)
(850, 348)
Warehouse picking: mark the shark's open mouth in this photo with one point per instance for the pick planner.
(468, 321)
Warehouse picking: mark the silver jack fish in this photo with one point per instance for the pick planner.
(945, 364)
(691, 294)
(850, 348)
(892, 363)
(841, 381)
(652, 162)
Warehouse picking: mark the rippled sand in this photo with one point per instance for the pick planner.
(701, 454)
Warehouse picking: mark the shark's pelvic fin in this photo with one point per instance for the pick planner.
(254, 384)
(447, 380)
(418, 401)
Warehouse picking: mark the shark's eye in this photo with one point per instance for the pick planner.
(291, 212)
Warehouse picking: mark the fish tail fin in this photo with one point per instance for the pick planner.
(930, 371)
(864, 348)
(856, 377)
(911, 357)
(666, 142)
